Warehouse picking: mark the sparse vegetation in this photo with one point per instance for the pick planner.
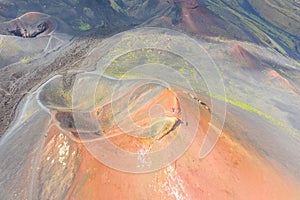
(84, 26)
(247, 107)
(26, 59)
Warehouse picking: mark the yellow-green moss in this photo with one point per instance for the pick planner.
(250, 108)
(26, 59)
(84, 26)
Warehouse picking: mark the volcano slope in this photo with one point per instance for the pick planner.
(152, 113)
(143, 118)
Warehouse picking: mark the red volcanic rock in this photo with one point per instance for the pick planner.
(59, 165)
(229, 172)
(142, 122)
(282, 82)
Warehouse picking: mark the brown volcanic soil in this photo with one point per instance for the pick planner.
(228, 172)
(243, 56)
(198, 19)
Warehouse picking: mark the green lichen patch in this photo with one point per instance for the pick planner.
(26, 59)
